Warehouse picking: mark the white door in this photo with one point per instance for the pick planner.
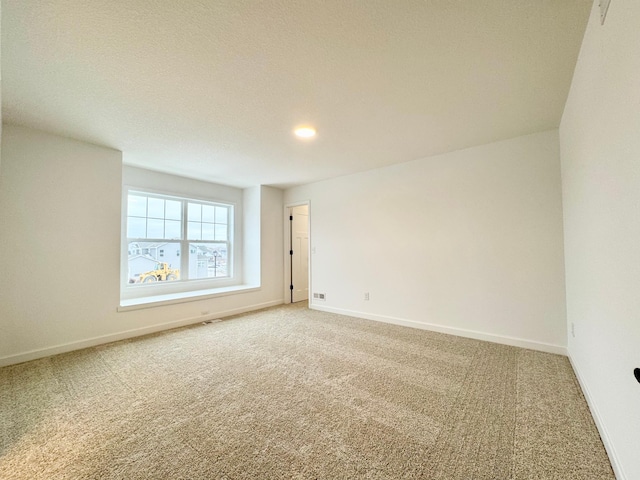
(299, 230)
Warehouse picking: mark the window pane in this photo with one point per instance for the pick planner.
(172, 229)
(153, 262)
(208, 213)
(222, 215)
(208, 260)
(221, 232)
(173, 210)
(195, 212)
(156, 208)
(137, 206)
(136, 227)
(208, 232)
(193, 231)
(155, 228)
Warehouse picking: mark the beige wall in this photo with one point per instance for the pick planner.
(600, 149)
(468, 243)
(60, 251)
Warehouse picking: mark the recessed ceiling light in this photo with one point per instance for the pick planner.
(305, 132)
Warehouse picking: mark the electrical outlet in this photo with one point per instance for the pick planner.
(573, 330)
(366, 296)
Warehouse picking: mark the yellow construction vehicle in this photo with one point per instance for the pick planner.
(162, 272)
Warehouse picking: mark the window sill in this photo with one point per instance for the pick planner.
(173, 298)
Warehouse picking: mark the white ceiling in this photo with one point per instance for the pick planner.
(213, 89)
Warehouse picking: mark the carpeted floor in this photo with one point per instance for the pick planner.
(293, 393)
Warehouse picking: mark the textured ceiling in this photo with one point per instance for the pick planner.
(213, 89)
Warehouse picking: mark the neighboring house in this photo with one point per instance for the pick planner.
(143, 257)
(209, 261)
(139, 264)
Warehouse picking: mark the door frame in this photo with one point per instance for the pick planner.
(287, 247)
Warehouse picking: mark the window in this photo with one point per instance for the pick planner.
(160, 227)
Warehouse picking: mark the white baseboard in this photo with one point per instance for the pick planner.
(595, 413)
(136, 332)
(460, 332)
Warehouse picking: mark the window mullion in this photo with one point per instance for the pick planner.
(184, 245)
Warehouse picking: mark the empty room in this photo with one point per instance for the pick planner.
(320, 239)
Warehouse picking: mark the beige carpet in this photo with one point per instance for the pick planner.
(293, 393)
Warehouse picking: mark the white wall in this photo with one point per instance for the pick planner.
(251, 237)
(468, 242)
(0, 88)
(60, 251)
(600, 146)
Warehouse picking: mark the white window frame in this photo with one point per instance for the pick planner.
(130, 291)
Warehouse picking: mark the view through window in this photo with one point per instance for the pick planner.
(172, 239)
